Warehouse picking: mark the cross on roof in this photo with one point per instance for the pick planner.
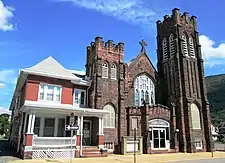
(143, 44)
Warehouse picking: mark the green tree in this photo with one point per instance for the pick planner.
(4, 124)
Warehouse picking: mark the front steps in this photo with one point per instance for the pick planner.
(91, 152)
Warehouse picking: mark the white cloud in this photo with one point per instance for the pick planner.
(4, 110)
(8, 76)
(2, 85)
(211, 54)
(132, 11)
(6, 13)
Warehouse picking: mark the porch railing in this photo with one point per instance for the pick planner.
(110, 146)
(49, 142)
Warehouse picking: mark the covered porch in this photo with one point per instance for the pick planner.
(44, 127)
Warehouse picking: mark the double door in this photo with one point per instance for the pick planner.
(158, 138)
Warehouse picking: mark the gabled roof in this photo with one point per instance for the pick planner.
(51, 68)
(133, 61)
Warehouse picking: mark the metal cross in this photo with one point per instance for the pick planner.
(143, 44)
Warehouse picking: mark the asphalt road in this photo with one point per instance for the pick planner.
(7, 153)
(219, 160)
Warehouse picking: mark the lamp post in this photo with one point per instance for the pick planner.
(150, 139)
(135, 139)
(176, 132)
(212, 146)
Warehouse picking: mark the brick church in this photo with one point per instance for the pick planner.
(167, 105)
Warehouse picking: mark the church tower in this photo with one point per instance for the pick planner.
(181, 75)
(105, 68)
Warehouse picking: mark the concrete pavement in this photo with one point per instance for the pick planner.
(156, 158)
(216, 160)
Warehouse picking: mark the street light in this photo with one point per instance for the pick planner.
(176, 132)
(150, 135)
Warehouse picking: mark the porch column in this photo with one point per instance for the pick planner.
(42, 125)
(30, 130)
(81, 135)
(78, 123)
(100, 133)
(78, 136)
(56, 126)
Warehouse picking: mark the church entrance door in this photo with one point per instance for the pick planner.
(159, 138)
(159, 134)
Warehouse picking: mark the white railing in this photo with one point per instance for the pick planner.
(110, 146)
(49, 142)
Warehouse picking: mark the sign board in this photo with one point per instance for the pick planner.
(71, 127)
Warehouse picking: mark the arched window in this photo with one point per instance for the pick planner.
(185, 48)
(105, 70)
(195, 117)
(113, 71)
(109, 119)
(143, 85)
(137, 97)
(172, 45)
(165, 49)
(191, 46)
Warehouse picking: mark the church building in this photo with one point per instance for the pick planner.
(167, 105)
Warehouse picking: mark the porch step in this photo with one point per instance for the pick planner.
(92, 152)
(163, 151)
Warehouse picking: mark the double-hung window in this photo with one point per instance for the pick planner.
(79, 97)
(48, 92)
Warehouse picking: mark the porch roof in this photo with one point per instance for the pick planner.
(66, 109)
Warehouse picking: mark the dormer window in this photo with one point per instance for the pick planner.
(105, 70)
(48, 92)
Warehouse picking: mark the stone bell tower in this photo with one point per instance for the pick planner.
(182, 80)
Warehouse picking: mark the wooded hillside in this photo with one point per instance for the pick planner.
(216, 95)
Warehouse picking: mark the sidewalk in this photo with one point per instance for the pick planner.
(156, 158)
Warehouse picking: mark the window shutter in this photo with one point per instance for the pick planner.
(165, 49)
(191, 45)
(172, 45)
(184, 43)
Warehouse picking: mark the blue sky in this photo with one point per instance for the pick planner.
(30, 31)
